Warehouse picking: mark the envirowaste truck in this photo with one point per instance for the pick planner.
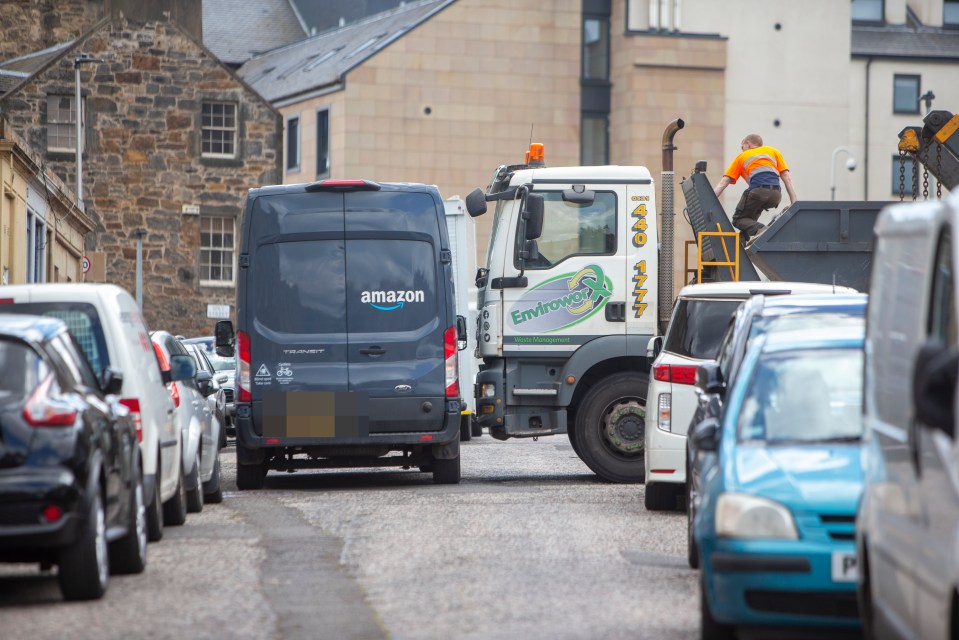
(566, 307)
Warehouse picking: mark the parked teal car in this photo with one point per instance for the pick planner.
(781, 482)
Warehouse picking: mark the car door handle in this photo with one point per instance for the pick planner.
(373, 351)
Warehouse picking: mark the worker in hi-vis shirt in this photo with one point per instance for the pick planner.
(761, 167)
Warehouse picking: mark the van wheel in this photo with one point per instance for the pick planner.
(475, 429)
(212, 491)
(155, 511)
(174, 509)
(194, 495)
(446, 471)
(129, 553)
(466, 434)
(250, 476)
(660, 497)
(610, 428)
(84, 570)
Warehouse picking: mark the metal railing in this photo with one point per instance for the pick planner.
(731, 263)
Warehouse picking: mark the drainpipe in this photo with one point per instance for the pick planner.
(667, 210)
(865, 154)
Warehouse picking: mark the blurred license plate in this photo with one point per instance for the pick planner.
(844, 567)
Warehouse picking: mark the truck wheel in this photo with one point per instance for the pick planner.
(611, 428)
(660, 497)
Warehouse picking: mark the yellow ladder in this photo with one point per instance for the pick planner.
(732, 264)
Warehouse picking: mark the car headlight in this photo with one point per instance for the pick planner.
(743, 516)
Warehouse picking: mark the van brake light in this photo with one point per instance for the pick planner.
(452, 368)
(243, 359)
(343, 185)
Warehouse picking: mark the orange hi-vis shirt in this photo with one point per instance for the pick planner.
(758, 166)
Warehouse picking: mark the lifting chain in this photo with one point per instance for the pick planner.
(939, 171)
(902, 175)
(925, 183)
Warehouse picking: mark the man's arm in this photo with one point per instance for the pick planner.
(721, 185)
(788, 181)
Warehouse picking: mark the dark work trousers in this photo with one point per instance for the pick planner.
(754, 202)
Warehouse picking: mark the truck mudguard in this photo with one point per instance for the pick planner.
(596, 351)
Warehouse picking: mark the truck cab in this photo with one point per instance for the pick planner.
(566, 306)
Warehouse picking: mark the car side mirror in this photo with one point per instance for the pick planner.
(182, 367)
(204, 380)
(934, 386)
(225, 339)
(709, 379)
(533, 214)
(706, 435)
(654, 347)
(461, 333)
(111, 381)
(476, 203)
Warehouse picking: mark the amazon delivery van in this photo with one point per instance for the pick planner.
(346, 336)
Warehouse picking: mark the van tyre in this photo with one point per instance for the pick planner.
(155, 511)
(194, 495)
(660, 497)
(212, 490)
(475, 429)
(610, 428)
(129, 553)
(466, 434)
(174, 509)
(250, 476)
(84, 566)
(447, 470)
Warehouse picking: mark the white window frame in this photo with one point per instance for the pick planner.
(57, 119)
(220, 127)
(206, 264)
(296, 166)
(36, 247)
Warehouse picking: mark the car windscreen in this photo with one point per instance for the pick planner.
(809, 319)
(697, 326)
(807, 395)
(81, 319)
(22, 371)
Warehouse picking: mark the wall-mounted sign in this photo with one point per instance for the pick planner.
(218, 311)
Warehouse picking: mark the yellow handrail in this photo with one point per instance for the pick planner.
(732, 264)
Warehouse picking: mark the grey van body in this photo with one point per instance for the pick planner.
(344, 310)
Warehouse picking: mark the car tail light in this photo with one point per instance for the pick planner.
(175, 394)
(665, 411)
(43, 410)
(678, 374)
(452, 370)
(243, 358)
(133, 404)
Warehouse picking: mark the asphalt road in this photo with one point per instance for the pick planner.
(530, 545)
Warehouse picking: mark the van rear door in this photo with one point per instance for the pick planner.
(396, 307)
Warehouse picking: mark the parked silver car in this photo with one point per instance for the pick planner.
(216, 395)
(225, 369)
(199, 426)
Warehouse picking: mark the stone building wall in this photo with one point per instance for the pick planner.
(142, 158)
(31, 25)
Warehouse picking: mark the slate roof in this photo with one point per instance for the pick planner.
(905, 41)
(32, 62)
(325, 59)
(237, 31)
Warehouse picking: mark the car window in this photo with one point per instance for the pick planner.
(803, 396)
(81, 319)
(725, 353)
(22, 368)
(698, 326)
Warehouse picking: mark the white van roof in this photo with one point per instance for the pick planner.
(747, 289)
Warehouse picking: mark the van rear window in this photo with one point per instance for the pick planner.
(81, 319)
(697, 327)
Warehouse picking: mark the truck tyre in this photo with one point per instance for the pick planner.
(174, 509)
(611, 428)
(660, 497)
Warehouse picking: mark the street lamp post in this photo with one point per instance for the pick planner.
(850, 164)
(77, 63)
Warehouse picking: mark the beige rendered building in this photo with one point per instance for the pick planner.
(43, 230)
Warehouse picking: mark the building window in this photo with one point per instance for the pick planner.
(322, 143)
(950, 13)
(36, 248)
(61, 124)
(218, 127)
(594, 143)
(867, 11)
(216, 250)
(905, 94)
(908, 175)
(595, 48)
(293, 144)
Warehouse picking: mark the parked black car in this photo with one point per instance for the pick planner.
(71, 489)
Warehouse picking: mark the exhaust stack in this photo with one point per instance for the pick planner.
(667, 208)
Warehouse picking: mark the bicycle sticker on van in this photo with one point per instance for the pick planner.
(562, 301)
(391, 300)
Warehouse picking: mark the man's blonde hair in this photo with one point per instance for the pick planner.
(754, 139)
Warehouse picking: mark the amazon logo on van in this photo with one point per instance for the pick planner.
(391, 300)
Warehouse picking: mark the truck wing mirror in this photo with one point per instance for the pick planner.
(461, 335)
(533, 214)
(476, 203)
(579, 194)
(224, 339)
(934, 386)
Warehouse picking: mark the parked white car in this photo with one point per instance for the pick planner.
(699, 319)
(200, 428)
(907, 527)
(107, 323)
